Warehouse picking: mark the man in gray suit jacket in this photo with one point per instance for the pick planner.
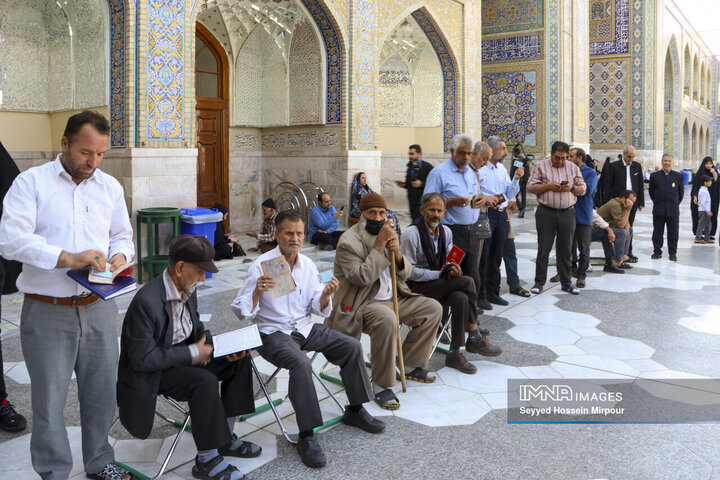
(166, 350)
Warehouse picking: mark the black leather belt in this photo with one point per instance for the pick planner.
(557, 209)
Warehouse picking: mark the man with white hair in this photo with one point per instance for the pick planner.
(456, 181)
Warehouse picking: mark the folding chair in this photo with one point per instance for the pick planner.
(184, 425)
(272, 403)
(446, 328)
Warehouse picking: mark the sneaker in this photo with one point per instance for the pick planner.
(10, 420)
(459, 362)
(483, 347)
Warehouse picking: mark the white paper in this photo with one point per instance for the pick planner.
(236, 341)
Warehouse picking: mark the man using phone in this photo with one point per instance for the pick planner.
(323, 223)
(164, 349)
(426, 245)
(557, 184)
(494, 180)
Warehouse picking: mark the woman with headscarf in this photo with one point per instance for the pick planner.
(706, 168)
(600, 199)
(359, 189)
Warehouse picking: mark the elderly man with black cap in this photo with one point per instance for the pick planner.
(363, 303)
(266, 238)
(165, 350)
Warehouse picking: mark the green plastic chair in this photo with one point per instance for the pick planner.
(152, 217)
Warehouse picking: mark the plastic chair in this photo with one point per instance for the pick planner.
(154, 262)
(271, 403)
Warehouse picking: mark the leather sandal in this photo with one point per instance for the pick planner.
(420, 375)
(384, 397)
(521, 292)
(202, 470)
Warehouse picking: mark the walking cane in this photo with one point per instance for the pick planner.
(401, 362)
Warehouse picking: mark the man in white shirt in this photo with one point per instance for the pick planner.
(62, 215)
(494, 180)
(288, 331)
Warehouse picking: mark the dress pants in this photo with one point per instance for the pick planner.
(631, 221)
(521, 197)
(511, 264)
(57, 340)
(466, 240)
(600, 235)
(458, 293)
(492, 253)
(209, 411)
(288, 351)
(421, 314)
(329, 238)
(660, 222)
(581, 244)
(554, 224)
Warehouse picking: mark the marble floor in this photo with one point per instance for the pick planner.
(659, 320)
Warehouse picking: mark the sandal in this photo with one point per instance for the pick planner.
(202, 470)
(626, 265)
(384, 398)
(521, 292)
(420, 375)
(632, 259)
(244, 450)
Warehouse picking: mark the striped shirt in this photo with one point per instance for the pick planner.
(545, 173)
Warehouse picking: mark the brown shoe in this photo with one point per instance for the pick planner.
(459, 362)
(555, 278)
(484, 347)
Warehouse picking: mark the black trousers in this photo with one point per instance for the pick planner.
(492, 253)
(460, 294)
(466, 240)
(329, 238)
(288, 351)
(3, 391)
(631, 219)
(581, 250)
(521, 197)
(199, 387)
(660, 222)
(554, 224)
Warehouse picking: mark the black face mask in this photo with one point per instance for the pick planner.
(373, 226)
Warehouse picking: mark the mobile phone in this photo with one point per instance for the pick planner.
(501, 198)
(342, 208)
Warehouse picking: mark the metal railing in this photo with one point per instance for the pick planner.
(300, 198)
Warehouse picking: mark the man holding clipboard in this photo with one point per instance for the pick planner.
(165, 350)
(436, 273)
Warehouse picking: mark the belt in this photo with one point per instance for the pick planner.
(466, 227)
(557, 209)
(497, 209)
(75, 301)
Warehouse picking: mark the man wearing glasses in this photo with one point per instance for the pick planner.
(557, 184)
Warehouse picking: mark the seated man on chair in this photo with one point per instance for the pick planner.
(163, 350)
(425, 246)
(364, 300)
(288, 331)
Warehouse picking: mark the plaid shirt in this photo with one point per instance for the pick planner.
(267, 234)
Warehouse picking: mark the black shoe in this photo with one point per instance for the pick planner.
(673, 257)
(310, 452)
(612, 269)
(10, 420)
(363, 420)
(325, 247)
(521, 213)
(655, 256)
(484, 304)
(244, 450)
(497, 299)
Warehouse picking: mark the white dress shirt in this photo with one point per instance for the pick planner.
(290, 312)
(628, 178)
(45, 212)
(494, 179)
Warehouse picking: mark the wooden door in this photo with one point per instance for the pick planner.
(212, 119)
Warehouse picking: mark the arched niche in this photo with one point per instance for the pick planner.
(686, 141)
(687, 72)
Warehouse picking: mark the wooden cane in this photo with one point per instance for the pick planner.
(401, 362)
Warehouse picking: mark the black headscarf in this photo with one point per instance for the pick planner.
(9, 171)
(699, 174)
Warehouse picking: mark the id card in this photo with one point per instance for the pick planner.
(325, 277)
(517, 164)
